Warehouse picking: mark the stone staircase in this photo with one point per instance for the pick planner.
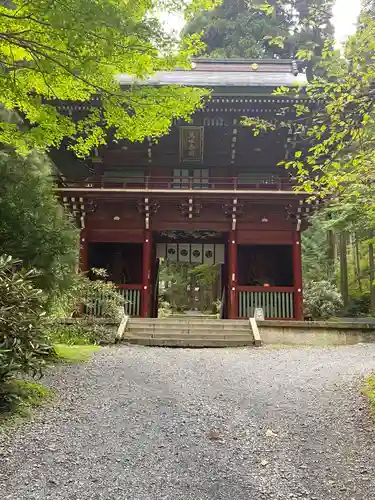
(188, 332)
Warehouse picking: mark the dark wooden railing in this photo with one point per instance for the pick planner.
(150, 182)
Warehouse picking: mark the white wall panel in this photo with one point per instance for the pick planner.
(219, 254)
(161, 250)
(184, 252)
(172, 255)
(209, 253)
(196, 254)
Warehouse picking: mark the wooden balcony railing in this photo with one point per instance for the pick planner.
(160, 183)
(276, 302)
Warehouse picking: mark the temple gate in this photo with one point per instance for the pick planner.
(210, 191)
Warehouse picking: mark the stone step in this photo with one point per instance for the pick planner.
(189, 332)
(190, 320)
(186, 342)
(185, 328)
(195, 332)
(189, 328)
(196, 335)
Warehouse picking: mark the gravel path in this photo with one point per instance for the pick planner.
(225, 424)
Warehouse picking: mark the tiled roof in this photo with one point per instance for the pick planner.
(215, 73)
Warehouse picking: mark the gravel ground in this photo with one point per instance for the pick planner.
(243, 424)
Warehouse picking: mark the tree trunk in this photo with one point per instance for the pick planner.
(344, 269)
(331, 239)
(372, 273)
(358, 263)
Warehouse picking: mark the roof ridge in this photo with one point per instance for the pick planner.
(228, 61)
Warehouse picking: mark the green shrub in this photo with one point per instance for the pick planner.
(359, 305)
(97, 296)
(22, 321)
(17, 397)
(100, 297)
(321, 299)
(81, 332)
(71, 334)
(164, 309)
(33, 226)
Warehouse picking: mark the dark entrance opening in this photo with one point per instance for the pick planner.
(122, 261)
(260, 265)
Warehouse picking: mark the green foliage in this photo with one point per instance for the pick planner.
(368, 389)
(189, 286)
(33, 226)
(315, 262)
(359, 305)
(22, 321)
(175, 276)
(75, 353)
(205, 274)
(321, 299)
(257, 124)
(72, 50)
(18, 397)
(60, 332)
(95, 295)
(265, 29)
(81, 331)
(99, 295)
(337, 136)
(164, 309)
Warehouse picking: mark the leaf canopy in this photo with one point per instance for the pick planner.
(71, 50)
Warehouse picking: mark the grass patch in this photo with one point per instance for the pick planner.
(75, 353)
(19, 397)
(368, 389)
(76, 334)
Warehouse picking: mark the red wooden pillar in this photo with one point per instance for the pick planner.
(232, 275)
(83, 252)
(297, 274)
(146, 273)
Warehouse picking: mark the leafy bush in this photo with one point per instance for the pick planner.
(33, 226)
(359, 304)
(17, 397)
(164, 309)
(22, 321)
(101, 298)
(71, 334)
(98, 298)
(321, 299)
(82, 332)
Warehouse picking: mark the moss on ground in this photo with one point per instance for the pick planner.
(18, 397)
(75, 353)
(368, 389)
